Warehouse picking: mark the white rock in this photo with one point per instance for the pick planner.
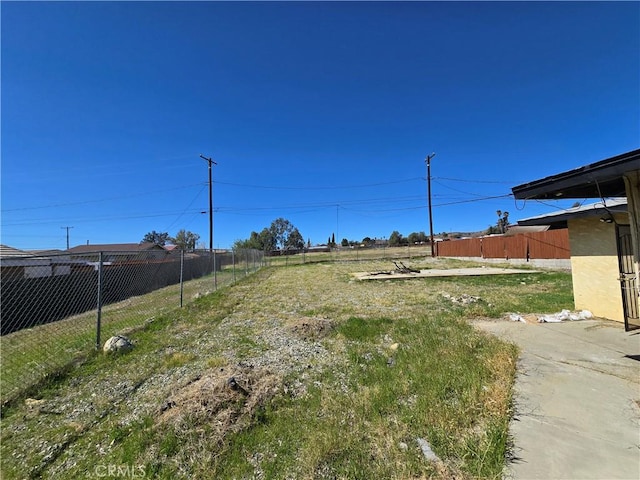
(117, 343)
(426, 450)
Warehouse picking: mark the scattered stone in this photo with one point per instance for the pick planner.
(426, 450)
(33, 402)
(464, 299)
(117, 344)
(391, 362)
(234, 385)
(167, 405)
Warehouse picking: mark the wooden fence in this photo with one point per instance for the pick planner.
(539, 245)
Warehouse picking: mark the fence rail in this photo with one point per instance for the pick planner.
(55, 308)
(552, 244)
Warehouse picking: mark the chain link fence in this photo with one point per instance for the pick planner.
(56, 308)
(347, 254)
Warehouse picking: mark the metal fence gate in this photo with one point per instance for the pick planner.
(628, 278)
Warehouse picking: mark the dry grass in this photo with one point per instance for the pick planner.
(334, 378)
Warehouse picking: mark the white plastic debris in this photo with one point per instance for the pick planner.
(426, 450)
(565, 315)
(514, 317)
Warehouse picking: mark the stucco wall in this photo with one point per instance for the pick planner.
(594, 266)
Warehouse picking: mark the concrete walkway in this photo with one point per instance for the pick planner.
(577, 400)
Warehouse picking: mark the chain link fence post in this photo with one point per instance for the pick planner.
(233, 262)
(181, 276)
(99, 304)
(215, 271)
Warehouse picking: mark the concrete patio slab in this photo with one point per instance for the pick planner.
(577, 400)
(452, 272)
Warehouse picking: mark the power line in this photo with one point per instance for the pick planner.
(151, 192)
(506, 182)
(94, 219)
(336, 187)
(238, 210)
(475, 200)
(457, 190)
(84, 202)
(185, 210)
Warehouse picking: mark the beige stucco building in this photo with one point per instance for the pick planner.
(603, 236)
(594, 263)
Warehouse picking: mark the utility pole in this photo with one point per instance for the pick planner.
(210, 162)
(338, 222)
(67, 235)
(211, 250)
(428, 162)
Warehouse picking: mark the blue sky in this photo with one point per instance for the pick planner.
(318, 112)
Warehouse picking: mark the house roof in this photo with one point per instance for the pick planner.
(559, 218)
(513, 230)
(10, 252)
(45, 252)
(116, 247)
(596, 180)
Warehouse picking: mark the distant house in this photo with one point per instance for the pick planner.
(317, 249)
(603, 236)
(119, 252)
(17, 264)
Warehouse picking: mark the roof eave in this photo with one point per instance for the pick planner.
(600, 179)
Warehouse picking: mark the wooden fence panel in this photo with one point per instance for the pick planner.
(516, 246)
(467, 247)
(549, 244)
(539, 245)
(493, 247)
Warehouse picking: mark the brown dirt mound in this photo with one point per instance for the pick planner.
(311, 328)
(223, 399)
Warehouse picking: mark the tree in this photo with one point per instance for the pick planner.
(264, 240)
(280, 231)
(395, 239)
(344, 242)
(156, 238)
(294, 240)
(185, 240)
(503, 221)
(333, 239)
(417, 237)
(367, 241)
(492, 229)
(281, 234)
